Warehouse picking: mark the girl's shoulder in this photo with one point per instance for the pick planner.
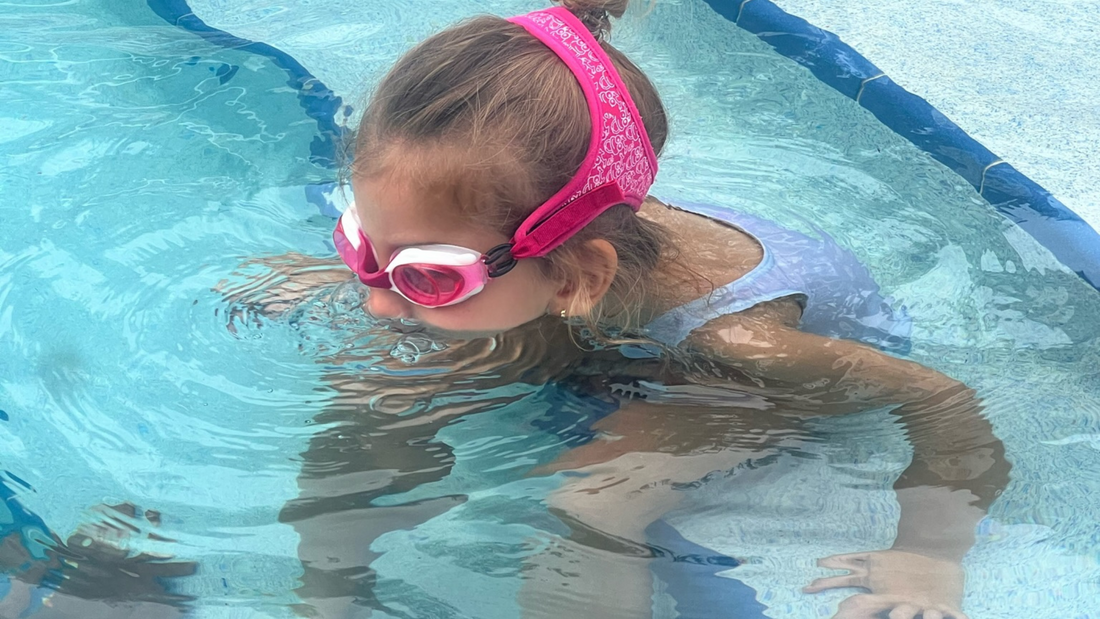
(711, 253)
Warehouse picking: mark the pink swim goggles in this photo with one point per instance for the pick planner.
(619, 169)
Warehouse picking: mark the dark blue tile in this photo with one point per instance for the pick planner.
(226, 72)
(822, 52)
(18, 480)
(914, 119)
(830, 60)
(318, 101)
(726, 8)
(1050, 222)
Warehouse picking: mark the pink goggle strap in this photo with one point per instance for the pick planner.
(620, 165)
(356, 251)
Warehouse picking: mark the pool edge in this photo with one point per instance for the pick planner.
(1015, 196)
(1012, 194)
(317, 100)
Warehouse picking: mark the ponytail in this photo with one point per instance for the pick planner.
(596, 14)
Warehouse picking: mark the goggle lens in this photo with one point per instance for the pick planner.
(428, 285)
(462, 274)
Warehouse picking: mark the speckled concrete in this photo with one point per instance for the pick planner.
(1019, 76)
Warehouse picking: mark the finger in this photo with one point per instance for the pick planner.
(905, 611)
(844, 562)
(859, 607)
(945, 612)
(836, 582)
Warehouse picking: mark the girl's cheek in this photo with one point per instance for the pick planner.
(477, 318)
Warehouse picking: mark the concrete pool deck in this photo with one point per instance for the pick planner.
(1018, 76)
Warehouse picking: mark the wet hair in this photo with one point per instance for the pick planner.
(488, 117)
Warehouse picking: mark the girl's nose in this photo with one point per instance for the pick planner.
(383, 303)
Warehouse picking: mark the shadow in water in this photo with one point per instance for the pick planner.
(85, 576)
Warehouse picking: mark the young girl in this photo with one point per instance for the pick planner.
(500, 181)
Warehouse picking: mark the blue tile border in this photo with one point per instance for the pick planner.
(1014, 195)
(318, 100)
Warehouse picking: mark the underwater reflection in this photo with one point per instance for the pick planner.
(649, 434)
(645, 434)
(91, 574)
(394, 392)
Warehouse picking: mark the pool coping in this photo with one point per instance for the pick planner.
(318, 100)
(1015, 196)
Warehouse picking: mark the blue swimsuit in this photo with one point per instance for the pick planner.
(839, 298)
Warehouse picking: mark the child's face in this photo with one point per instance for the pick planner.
(394, 215)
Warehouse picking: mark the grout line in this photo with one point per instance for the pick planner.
(1071, 239)
(740, 10)
(864, 83)
(981, 187)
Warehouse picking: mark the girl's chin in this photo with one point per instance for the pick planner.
(468, 332)
(462, 334)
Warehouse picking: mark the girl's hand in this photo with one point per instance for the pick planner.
(902, 585)
(273, 286)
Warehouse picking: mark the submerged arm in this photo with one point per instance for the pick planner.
(378, 438)
(274, 285)
(958, 465)
(831, 376)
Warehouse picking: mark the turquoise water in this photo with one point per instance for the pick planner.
(140, 166)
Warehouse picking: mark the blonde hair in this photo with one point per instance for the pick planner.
(488, 116)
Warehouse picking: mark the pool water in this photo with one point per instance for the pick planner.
(142, 165)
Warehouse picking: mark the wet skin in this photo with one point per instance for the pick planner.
(957, 470)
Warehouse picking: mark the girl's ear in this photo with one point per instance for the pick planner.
(590, 280)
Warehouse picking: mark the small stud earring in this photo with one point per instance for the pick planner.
(563, 314)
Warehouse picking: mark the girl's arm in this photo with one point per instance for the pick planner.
(958, 465)
(273, 285)
(839, 376)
